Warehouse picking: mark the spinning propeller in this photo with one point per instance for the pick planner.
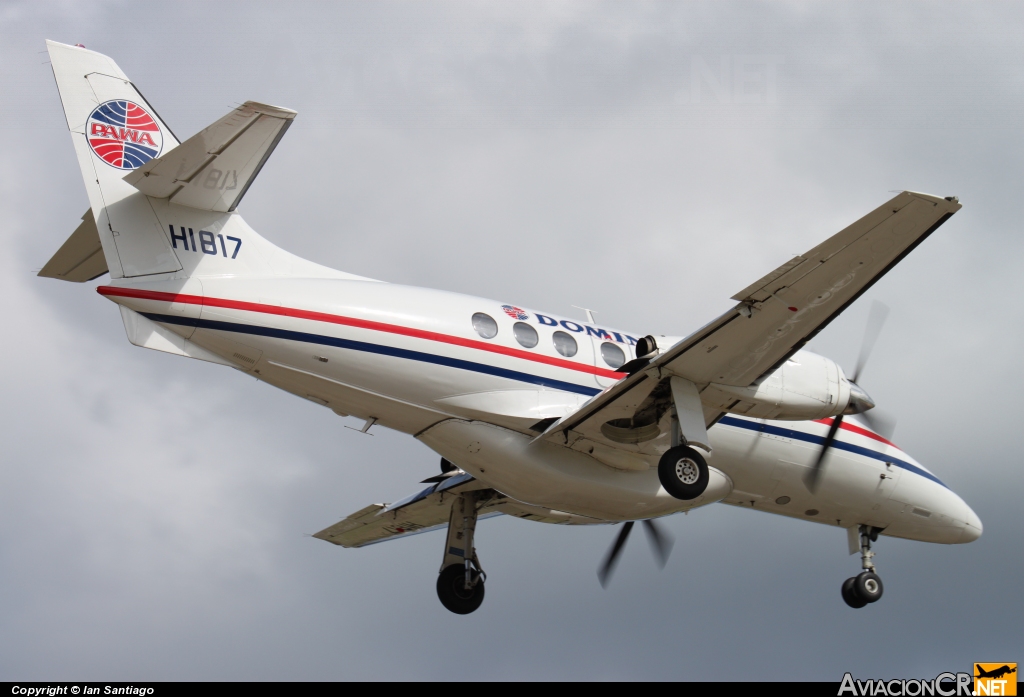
(661, 544)
(860, 402)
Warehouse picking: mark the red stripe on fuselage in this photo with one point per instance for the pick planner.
(858, 430)
(353, 322)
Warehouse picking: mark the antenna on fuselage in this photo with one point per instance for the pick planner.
(590, 314)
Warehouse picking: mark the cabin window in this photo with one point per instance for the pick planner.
(612, 355)
(525, 334)
(564, 344)
(485, 325)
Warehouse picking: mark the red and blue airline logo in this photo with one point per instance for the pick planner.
(515, 312)
(123, 134)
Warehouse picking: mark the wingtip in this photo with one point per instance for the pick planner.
(950, 202)
(271, 110)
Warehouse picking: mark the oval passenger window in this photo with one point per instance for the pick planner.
(485, 325)
(612, 355)
(525, 334)
(564, 344)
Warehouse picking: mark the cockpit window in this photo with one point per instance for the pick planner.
(564, 344)
(525, 334)
(485, 325)
(612, 355)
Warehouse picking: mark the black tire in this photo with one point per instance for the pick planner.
(452, 592)
(850, 596)
(683, 472)
(868, 587)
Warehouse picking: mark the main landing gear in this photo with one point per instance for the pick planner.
(683, 472)
(865, 587)
(460, 585)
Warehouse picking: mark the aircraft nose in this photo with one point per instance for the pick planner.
(973, 529)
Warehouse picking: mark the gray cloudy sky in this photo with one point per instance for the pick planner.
(154, 510)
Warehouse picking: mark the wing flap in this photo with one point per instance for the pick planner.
(213, 169)
(759, 284)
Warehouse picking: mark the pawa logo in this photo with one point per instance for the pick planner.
(515, 312)
(995, 679)
(123, 134)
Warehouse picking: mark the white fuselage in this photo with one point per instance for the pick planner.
(193, 279)
(410, 359)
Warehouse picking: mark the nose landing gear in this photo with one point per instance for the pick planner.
(866, 587)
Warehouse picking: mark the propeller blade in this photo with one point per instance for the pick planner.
(605, 572)
(661, 541)
(876, 320)
(881, 422)
(812, 478)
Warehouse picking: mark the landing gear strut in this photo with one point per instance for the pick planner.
(865, 587)
(460, 585)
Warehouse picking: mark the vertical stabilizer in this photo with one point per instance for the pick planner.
(161, 206)
(114, 131)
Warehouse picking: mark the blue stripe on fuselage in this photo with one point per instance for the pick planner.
(512, 375)
(820, 440)
(375, 348)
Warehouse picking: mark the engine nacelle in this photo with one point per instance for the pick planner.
(806, 387)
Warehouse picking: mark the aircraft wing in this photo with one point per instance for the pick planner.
(774, 318)
(430, 509)
(213, 169)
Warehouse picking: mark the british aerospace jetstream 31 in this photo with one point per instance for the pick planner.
(533, 415)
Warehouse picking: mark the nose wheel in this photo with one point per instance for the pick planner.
(866, 587)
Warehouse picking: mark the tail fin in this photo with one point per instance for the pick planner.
(161, 206)
(114, 130)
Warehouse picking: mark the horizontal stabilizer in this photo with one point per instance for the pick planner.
(80, 258)
(213, 169)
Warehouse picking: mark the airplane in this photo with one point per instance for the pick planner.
(995, 673)
(533, 414)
